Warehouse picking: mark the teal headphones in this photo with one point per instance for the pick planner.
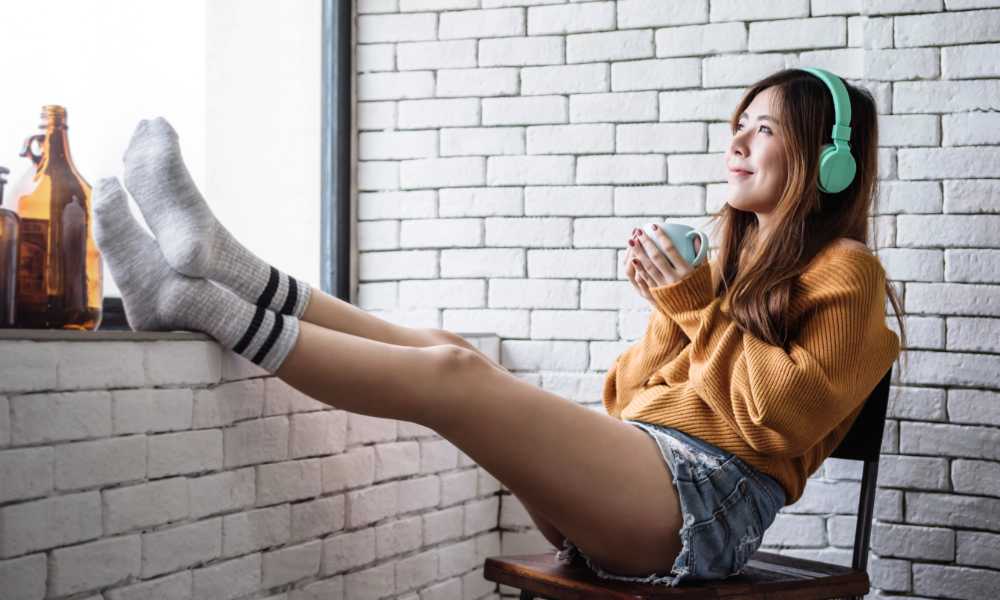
(836, 165)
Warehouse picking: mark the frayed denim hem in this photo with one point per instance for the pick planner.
(570, 551)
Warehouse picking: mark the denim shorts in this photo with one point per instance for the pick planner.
(726, 505)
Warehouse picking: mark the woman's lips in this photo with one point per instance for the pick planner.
(740, 174)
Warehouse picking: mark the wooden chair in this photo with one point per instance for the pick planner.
(767, 575)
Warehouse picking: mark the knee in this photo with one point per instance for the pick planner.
(449, 359)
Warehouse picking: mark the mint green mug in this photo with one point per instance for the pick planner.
(682, 237)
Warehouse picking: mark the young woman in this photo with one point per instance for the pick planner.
(752, 367)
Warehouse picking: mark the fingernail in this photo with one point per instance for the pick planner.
(635, 261)
(640, 232)
(655, 228)
(631, 242)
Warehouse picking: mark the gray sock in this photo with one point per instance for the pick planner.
(191, 238)
(157, 298)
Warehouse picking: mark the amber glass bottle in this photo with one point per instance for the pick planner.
(59, 276)
(10, 226)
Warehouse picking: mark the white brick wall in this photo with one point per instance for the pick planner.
(223, 483)
(593, 117)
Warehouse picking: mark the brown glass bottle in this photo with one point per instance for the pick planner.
(10, 226)
(59, 276)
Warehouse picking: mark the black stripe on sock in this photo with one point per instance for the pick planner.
(293, 292)
(272, 337)
(272, 286)
(251, 331)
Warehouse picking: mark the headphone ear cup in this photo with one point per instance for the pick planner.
(836, 169)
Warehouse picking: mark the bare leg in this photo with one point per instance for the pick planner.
(599, 481)
(333, 313)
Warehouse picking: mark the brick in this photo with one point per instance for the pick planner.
(290, 564)
(349, 470)
(974, 406)
(396, 28)
(499, 81)
(399, 265)
(381, 145)
(180, 363)
(735, 70)
(976, 477)
(179, 547)
(505, 323)
(227, 580)
(222, 492)
(945, 96)
(701, 40)
(257, 441)
(378, 235)
(533, 293)
(443, 525)
(897, 197)
(621, 168)
(317, 518)
(698, 105)
(528, 232)
(427, 114)
(24, 578)
(482, 141)
(449, 293)
(924, 404)
(571, 18)
(28, 366)
(982, 196)
(58, 417)
(145, 505)
(940, 163)
(913, 265)
(652, 13)
(529, 110)
(50, 522)
(281, 398)
(436, 55)
(913, 472)
(971, 129)
(976, 548)
(95, 565)
(397, 537)
(949, 440)
(26, 473)
(101, 365)
(348, 550)
(944, 28)
(793, 34)
(892, 64)
(151, 410)
(613, 107)
(172, 587)
(442, 172)
(419, 493)
(521, 52)
(481, 202)
(565, 79)
(376, 115)
(799, 531)
(100, 462)
(961, 62)
(696, 168)
(417, 571)
(371, 504)
(376, 57)
(953, 298)
(489, 262)
(256, 529)
(609, 46)
(398, 459)
(570, 139)
(457, 558)
(581, 324)
(501, 22)
(434, 233)
(533, 170)
(315, 434)
(965, 512)
(974, 334)
(908, 541)
(437, 455)
(481, 515)
(656, 74)
(568, 200)
(889, 574)
(378, 175)
(395, 86)
(651, 200)
(572, 264)
(940, 230)
(287, 481)
(954, 581)
(377, 582)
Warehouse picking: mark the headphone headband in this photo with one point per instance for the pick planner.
(837, 167)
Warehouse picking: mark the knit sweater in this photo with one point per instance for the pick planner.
(782, 412)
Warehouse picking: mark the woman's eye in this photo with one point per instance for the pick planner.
(740, 125)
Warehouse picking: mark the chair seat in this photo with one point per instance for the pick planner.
(767, 576)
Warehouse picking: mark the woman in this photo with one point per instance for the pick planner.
(744, 379)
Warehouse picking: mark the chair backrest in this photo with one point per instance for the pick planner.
(864, 442)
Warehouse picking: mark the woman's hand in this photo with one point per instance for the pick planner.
(647, 267)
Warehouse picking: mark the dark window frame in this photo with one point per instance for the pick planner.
(335, 189)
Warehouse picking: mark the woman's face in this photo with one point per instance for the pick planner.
(756, 146)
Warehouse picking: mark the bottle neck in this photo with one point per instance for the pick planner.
(55, 150)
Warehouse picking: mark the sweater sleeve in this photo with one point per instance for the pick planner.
(663, 340)
(784, 402)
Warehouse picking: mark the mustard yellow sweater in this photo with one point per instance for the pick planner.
(781, 412)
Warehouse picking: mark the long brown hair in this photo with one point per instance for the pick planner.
(759, 278)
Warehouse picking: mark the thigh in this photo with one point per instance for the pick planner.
(601, 482)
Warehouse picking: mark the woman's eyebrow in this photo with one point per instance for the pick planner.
(762, 118)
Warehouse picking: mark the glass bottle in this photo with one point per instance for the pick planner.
(10, 225)
(59, 279)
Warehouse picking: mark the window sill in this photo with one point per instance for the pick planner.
(72, 335)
